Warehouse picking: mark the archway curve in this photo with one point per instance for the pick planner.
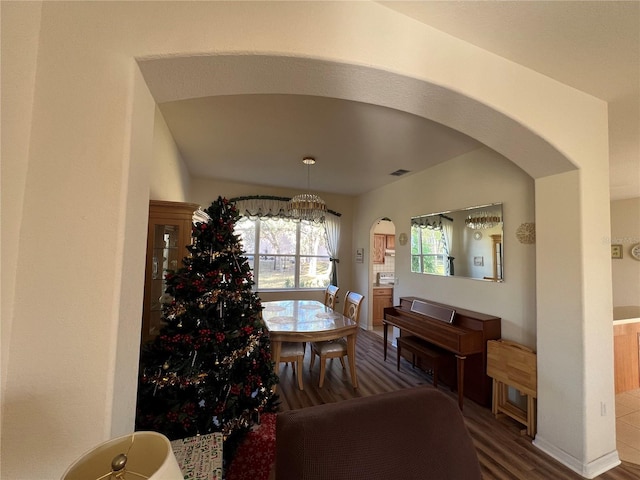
(184, 77)
(556, 135)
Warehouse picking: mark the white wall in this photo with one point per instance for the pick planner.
(625, 231)
(170, 178)
(385, 227)
(570, 307)
(79, 255)
(19, 40)
(445, 187)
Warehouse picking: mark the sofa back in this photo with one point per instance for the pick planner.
(415, 433)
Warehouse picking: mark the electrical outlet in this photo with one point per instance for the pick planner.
(603, 409)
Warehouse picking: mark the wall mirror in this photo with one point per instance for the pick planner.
(462, 243)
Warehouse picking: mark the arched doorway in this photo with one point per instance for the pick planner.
(536, 122)
(381, 271)
(526, 135)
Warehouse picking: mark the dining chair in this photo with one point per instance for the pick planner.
(330, 296)
(336, 348)
(293, 352)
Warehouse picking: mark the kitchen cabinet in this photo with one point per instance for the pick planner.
(626, 360)
(382, 298)
(168, 234)
(379, 246)
(390, 242)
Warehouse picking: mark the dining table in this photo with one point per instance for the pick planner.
(308, 321)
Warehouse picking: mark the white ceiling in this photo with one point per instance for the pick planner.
(593, 46)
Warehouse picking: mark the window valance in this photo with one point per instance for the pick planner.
(430, 221)
(261, 206)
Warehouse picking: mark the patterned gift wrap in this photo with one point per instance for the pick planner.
(256, 455)
(200, 457)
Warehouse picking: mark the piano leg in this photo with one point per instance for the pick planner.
(385, 325)
(460, 361)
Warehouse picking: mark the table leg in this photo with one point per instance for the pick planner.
(531, 416)
(276, 348)
(384, 326)
(460, 362)
(351, 353)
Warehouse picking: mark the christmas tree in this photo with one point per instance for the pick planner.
(210, 368)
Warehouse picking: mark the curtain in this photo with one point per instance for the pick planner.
(447, 233)
(445, 225)
(257, 207)
(332, 230)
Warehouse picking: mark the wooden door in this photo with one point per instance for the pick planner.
(379, 244)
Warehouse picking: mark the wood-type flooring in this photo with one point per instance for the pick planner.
(504, 453)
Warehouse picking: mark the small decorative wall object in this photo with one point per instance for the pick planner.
(616, 251)
(478, 261)
(359, 255)
(526, 233)
(402, 239)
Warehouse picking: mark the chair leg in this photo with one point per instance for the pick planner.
(299, 362)
(313, 359)
(342, 362)
(323, 366)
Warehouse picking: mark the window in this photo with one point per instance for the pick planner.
(291, 255)
(427, 251)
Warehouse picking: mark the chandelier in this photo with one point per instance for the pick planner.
(483, 220)
(307, 206)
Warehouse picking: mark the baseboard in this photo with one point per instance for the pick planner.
(587, 470)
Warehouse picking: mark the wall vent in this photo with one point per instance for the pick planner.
(399, 173)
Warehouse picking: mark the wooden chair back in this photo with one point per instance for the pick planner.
(337, 348)
(352, 304)
(330, 296)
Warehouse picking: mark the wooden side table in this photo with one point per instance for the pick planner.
(512, 364)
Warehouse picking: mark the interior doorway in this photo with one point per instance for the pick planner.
(381, 271)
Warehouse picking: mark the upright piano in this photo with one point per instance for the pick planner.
(463, 333)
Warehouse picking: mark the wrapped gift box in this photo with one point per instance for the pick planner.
(200, 457)
(256, 454)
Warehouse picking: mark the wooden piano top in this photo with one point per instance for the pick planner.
(466, 335)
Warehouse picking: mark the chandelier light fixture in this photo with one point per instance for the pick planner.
(483, 220)
(308, 206)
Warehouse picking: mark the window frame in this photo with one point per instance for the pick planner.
(257, 222)
(421, 255)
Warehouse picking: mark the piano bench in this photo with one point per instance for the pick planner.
(429, 354)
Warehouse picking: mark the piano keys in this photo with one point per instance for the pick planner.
(463, 333)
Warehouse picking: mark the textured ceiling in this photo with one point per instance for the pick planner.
(262, 139)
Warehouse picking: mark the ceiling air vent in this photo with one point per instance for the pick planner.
(399, 173)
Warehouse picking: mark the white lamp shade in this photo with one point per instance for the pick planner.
(149, 454)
